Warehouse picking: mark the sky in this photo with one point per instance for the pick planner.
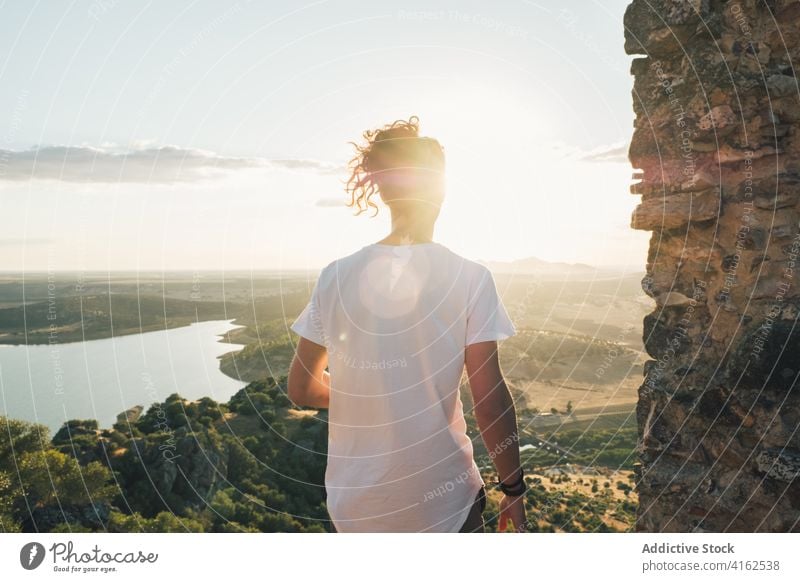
(215, 135)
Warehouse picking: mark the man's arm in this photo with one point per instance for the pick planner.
(497, 420)
(308, 382)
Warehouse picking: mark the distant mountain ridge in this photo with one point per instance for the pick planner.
(536, 266)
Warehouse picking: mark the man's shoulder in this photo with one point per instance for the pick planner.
(470, 267)
(338, 267)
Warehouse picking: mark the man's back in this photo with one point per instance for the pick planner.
(395, 320)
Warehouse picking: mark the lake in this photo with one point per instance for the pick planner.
(98, 379)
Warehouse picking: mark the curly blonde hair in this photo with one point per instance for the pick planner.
(395, 146)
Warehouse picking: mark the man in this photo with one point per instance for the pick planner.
(396, 323)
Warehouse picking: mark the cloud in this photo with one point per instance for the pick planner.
(616, 153)
(164, 164)
(315, 165)
(330, 202)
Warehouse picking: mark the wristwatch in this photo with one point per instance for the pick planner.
(516, 488)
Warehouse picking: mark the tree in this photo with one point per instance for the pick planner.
(164, 522)
(17, 437)
(51, 477)
(8, 524)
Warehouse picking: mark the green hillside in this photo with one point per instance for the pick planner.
(254, 464)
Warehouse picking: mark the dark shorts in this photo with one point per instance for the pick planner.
(474, 521)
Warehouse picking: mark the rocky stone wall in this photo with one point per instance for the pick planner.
(716, 149)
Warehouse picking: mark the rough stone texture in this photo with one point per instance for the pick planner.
(130, 416)
(716, 146)
(186, 469)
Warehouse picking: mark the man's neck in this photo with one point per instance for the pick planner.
(409, 232)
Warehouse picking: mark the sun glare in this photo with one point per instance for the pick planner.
(514, 191)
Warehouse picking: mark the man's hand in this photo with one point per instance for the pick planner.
(512, 508)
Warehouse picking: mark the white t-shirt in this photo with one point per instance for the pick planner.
(395, 320)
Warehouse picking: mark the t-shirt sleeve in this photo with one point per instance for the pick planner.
(309, 323)
(487, 318)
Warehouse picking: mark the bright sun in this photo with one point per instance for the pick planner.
(514, 191)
